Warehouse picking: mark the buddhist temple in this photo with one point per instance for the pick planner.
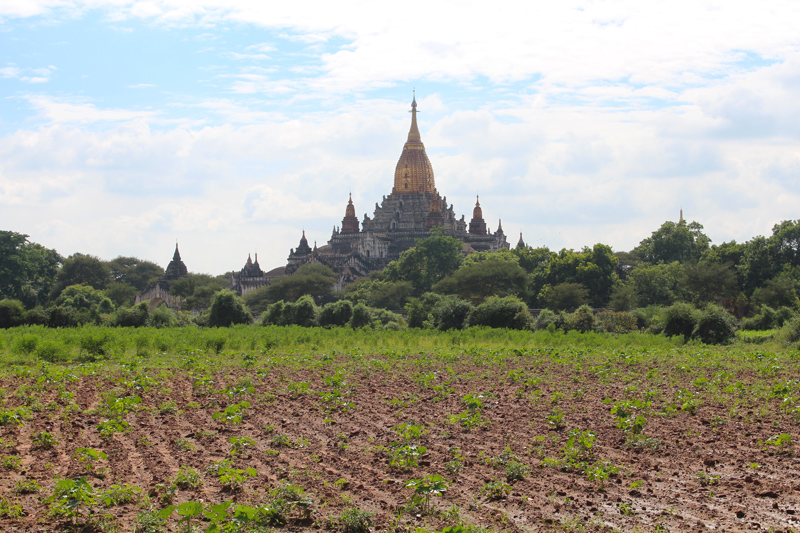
(408, 213)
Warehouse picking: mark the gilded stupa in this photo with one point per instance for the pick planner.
(407, 214)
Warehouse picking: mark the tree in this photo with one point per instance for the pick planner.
(432, 259)
(594, 268)
(27, 270)
(228, 309)
(674, 242)
(775, 293)
(81, 269)
(710, 282)
(197, 289)
(660, 284)
(477, 280)
(496, 312)
(11, 313)
(565, 296)
(312, 279)
(134, 272)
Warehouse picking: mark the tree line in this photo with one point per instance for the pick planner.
(755, 282)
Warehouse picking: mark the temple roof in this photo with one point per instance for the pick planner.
(176, 269)
(414, 173)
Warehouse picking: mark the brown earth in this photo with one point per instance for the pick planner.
(704, 471)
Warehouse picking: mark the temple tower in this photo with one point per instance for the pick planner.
(350, 221)
(413, 173)
(477, 226)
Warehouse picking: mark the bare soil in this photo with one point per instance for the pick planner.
(707, 470)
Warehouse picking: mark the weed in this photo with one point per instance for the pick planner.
(45, 440)
(121, 494)
(26, 486)
(354, 520)
(187, 478)
(241, 446)
(280, 440)
(705, 479)
(783, 443)
(168, 408)
(149, 521)
(184, 444)
(11, 462)
(424, 489)
(233, 479)
(516, 470)
(496, 490)
(233, 414)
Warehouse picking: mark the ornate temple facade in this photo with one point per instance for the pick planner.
(408, 213)
(158, 292)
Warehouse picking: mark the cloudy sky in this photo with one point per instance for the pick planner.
(233, 125)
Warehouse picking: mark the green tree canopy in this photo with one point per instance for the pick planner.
(312, 279)
(432, 259)
(27, 270)
(228, 309)
(197, 289)
(134, 271)
(660, 284)
(674, 242)
(81, 269)
(490, 276)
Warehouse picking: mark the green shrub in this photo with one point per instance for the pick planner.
(715, 326)
(764, 320)
(680, 319)
(416, 313)
(495, 312)
(62, 317)
(35, 317)
(131, 317)
(228, 309)
(163, 317)
(387, 319)
(790, 332)
(93, 342)
(544, 319)
(11, 313)
(354, 520)
(26, 344)
(616, 322)
(52, 351)
(274, 315)
(336, 313)
(361, 316)
(581, 320)
(451, 312)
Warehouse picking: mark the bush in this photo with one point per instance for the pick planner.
(93, 342)
(26, 344)
(544, 319)
(35, 317)
(387, 319)
(361, 316)
(715, 326)
(131, 317)
(616, 322)
(763, 320)
(11, 312)
(52, 351)
(790, 332)
(302, 313)
(680, 319)
(336, 313)
(495, 312)
(581, 320)
(62, 317)
(416, 313)
(228, 309)
(163, 317)
(274, 315)
(647, 317)
(451, 312)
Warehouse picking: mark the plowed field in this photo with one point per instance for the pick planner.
(525, 440)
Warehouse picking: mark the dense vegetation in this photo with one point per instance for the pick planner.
(674, 282)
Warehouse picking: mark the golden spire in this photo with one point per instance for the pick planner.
(414, 173)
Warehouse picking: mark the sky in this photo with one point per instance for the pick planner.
(232, 126)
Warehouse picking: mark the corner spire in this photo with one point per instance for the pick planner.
(177, 255)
